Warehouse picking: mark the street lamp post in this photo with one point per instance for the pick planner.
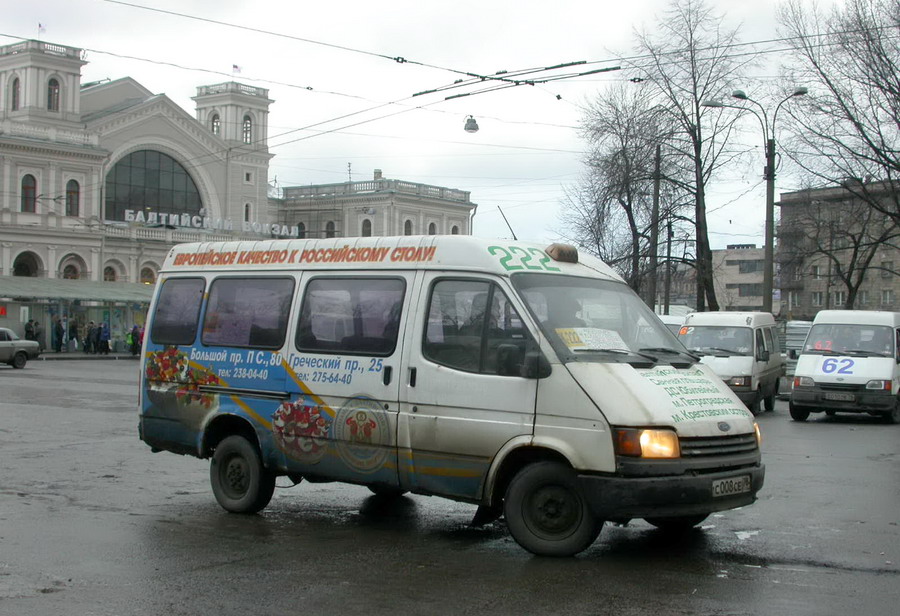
(769, 176)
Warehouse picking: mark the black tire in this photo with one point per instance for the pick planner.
(386, 491)
(239, 481)
(19, 360)
(753, 407)
(799, 414)
(677, 524)
(893, 417)
(769, 403)
(546, 513)
(830, 413)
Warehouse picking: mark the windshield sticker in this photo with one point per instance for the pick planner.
(694, 395)
(588, 338)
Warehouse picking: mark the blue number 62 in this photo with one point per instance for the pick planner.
(831, 365)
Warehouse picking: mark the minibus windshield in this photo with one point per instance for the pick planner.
(717, 339)
(591, 320)
(850, 339)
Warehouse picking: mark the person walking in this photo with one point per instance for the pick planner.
(39, 335)
(58, 333)
(89, 333)
(104, 338)
(135, 339)
(73, 334)
(29, 330)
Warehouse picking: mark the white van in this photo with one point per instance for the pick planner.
(848, 363)
(742, 348)
(672, 321)
(528, 380)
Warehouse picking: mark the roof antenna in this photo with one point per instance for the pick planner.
(507, 224)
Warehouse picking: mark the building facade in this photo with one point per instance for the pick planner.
(738, 277)
(836, 251)
(376, 207)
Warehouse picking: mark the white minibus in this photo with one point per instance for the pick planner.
(527, 380)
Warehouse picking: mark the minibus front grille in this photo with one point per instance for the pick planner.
(842, 386)
(697, 447)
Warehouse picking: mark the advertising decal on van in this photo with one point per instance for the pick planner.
(693, 392)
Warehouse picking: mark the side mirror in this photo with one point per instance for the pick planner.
(792, 354)
(509, 360)
(763, 356)
(536, 366)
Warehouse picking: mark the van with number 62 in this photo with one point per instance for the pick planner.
(527, 380)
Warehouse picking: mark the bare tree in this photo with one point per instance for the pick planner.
(684, 61)
(849, 127)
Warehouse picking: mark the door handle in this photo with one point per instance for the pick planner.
(412, 377)
(386, 377)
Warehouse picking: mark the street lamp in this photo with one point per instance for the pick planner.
(769, 176)
(471, 125)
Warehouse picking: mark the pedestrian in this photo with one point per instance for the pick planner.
(135, 336)
(89, 334)
(39, 335)
(29, 330)
(58, 333)
(73, 334)
(104, 338)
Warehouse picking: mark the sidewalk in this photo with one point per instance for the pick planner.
(49, 354)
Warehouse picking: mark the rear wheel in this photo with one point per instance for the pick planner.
(239, 481)
(798, 414)
(754, 406)
(546, 513)
(19, 360)
(677, 524)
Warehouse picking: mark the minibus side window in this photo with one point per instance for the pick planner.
(248, 312)
(359, 316)
(177, 311)
(771, 343)
(463, 333)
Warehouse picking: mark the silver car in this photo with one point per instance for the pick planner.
(15, 351)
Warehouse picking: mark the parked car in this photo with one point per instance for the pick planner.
(15, 351)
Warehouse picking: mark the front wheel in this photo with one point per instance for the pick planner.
(677, 524)
(19, 360)
(546, 512)
(239, 481)
(798, 414)
(893, 417)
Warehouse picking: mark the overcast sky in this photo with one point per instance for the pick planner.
(323, 60)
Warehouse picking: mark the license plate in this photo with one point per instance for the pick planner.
(731, 485)
(839, 397)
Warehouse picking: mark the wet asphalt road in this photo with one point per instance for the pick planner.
(93, 523)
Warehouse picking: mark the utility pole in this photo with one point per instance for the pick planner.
(654, 231)
(769, 248)
(668, 267)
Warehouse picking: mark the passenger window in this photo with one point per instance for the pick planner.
(472, 326)
(771, 341)
(248, 312)
(177, 311)
(358, 316)
(760, 345)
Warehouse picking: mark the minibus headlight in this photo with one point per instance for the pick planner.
(877, 384)
(758, 434)
(804, 381)
(646, 443)
(739, 381)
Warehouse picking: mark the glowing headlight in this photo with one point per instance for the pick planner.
(758, 434)
(739, 381)
(884, 385)
(804, 381)
(646, 443)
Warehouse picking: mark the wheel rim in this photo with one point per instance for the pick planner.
(552, 512)
(235, 477)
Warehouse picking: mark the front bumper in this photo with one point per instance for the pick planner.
(624, 498)
(864, 401)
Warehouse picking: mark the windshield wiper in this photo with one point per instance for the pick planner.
(720, 350)
(671, 352)
(865, 353)
(619, 352)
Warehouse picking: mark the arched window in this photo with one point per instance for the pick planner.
(109, 273)
(70, 272)
(329, 229)
(301, 230)
(53, 95)
(29, 193)
(454, 230)
(216, 124)
(27, 264)
(246, 212)
(14, 95)
(432, 228)
(407, 228)
(247, 130)
(148, 178)
(73, 198)
(367, 228)
(148, 276)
